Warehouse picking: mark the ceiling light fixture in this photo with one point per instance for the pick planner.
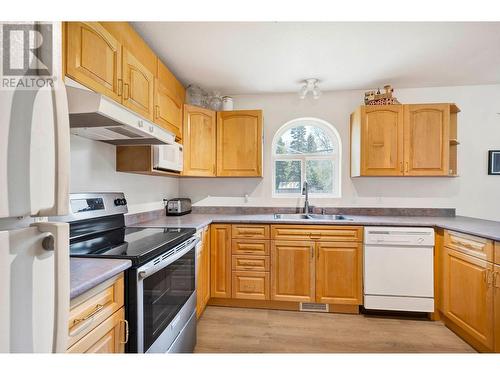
(310, 85)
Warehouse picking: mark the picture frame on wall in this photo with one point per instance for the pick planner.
(494, 162)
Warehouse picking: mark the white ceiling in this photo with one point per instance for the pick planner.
(268, 57)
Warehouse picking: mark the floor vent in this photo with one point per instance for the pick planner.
(313, 307)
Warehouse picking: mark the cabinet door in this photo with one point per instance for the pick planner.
(168, 109)
(94, 58)
(239, 143)
(138, 85)
(199, 141)
(382, 140)
(338, 273)
(206, 267)
(468, 295)
(108, 337)
(496, 297)
(426, 139)
(292, 271)
(220, 261)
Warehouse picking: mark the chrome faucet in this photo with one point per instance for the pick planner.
(305, 191)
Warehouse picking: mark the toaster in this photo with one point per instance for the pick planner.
(178, 206)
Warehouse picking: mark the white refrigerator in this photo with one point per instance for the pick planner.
(34, 183)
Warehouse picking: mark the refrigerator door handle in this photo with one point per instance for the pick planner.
(62, 150)
(60, 232)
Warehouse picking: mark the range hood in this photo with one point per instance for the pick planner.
(94, 116)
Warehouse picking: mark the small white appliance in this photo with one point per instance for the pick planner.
(34, 183)
(399, 269)
(168, 157)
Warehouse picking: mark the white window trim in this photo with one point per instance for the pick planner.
(336, 157)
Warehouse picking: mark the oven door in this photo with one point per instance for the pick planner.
(166, 298)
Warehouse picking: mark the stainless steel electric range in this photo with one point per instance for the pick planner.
(160, 293)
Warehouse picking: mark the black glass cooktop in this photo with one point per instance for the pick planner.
(135, 243)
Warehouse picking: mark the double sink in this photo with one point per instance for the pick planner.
(311, 217)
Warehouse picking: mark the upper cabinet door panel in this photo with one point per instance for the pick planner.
(168, 109)
(239, 143)
(93, 58)
(427, 139)
(199, 141)
(382, 140)
(138, 85)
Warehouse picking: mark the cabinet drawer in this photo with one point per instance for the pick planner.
(250, 247)
(94, 307)
(250, 285)
(108, 337)
(256, 231)
(317, 232)
(475, 246)
(250, 263)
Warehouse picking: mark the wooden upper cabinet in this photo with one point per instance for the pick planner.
(199, 141)
(468, 296)
(239, 143)
(404, 140)
(138, 85)
(382, 140)
(292, 271)
(427, 137)
(168, 101)
(220, 260)
(339, 273)
(94, 58)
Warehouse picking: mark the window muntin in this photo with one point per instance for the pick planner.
(306, 149)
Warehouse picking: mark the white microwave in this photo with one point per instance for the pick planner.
(168, 157)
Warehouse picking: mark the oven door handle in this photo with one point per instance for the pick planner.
(148, 271)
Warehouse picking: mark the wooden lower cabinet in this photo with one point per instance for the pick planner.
(339, 268)
(496, 286)
(220, 260)
(97, 319)
(108, 337)
(292, 271)
(250, 285)
(468, 297)
(203, 273)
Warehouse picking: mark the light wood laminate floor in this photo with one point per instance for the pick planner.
(239, 330)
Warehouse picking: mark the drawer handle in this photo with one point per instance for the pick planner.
(97, 308)
(126, 332)
(495, 279)
(467, 245)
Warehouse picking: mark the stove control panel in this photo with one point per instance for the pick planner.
(91, 205)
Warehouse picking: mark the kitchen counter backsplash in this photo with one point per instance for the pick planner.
(132, 219)
(361, 211)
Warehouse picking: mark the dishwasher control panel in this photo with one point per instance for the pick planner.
(414, 236)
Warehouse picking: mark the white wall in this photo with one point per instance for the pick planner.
(93, 169)
(474, 193)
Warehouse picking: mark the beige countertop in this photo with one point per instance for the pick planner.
(482, 228)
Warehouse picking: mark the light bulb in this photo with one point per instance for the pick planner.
(316, 92)
(303, 92)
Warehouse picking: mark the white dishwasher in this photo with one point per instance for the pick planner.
(399, 269)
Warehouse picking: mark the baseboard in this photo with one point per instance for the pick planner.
(277, 305)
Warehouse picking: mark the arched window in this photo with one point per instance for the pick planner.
(306, 149)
